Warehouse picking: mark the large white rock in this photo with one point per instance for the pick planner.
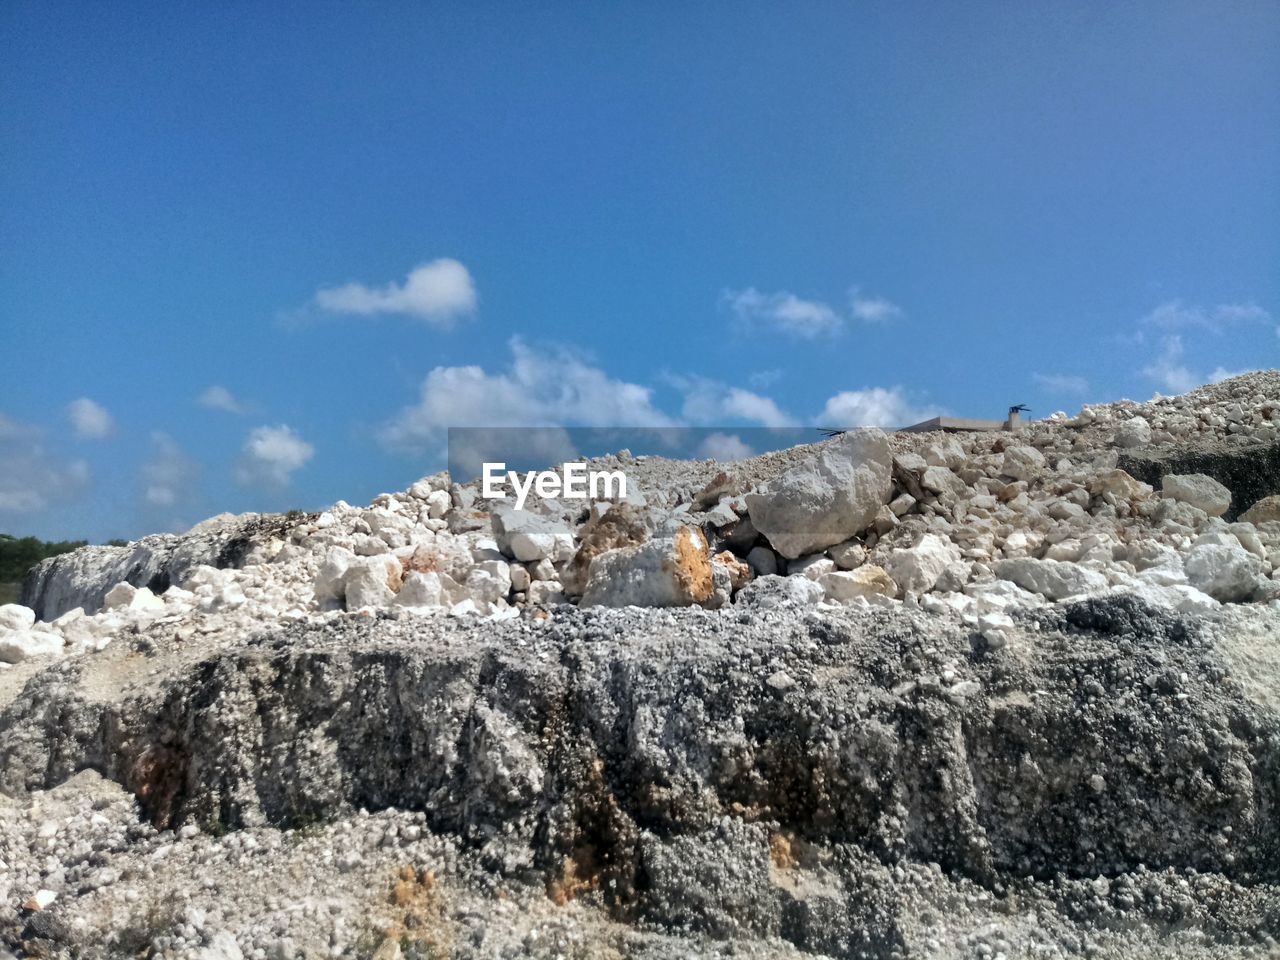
(369, 581)
(529, 536)
(828, 498)
(1199, 490)
(916, 570)
(421, 590)
(1022, 463)
(14, 616)
(330, 586)
(663, 572)
(19, 645)
(125, 596)
(1225, 572)
(1054, 579)
(1134, 432)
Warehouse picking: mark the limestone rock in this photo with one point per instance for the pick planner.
(1054, 579)
(621, 525)
(664, 572)
(1120, 485)
(1201, 491)
(372, 581)
(1022, 463)
(1228, 573)
(1134, 432)
(866, 580)
(848, 555)
(739, 570)
(19, 645)
(422, 590)
(828, 499)
(14, 616)
(528, 536)
(916, 570)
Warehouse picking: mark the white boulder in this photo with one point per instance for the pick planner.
(827, 499)
(1228, 573)
(14, 616)
(372, 581)
(1134, 432)
(1199, 490)
(19, 645)
(916, 570)
(529, 536)
(1055, 579)
(1022, 463)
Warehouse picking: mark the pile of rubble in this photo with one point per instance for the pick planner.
(882, 695)
(979, 524)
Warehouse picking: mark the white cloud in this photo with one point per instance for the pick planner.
(725, 447)
(874, 407)
(784, 312)
(551, 387)
(1062, 382)
(1176, 315)
(220, 398)
(169, 476)
(711, 402)
(437, 292)
(873, 309)
(271, 455)
(30, 477)
(1168, 370)
(89, 420)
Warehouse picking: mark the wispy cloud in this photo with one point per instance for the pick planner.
(725, 447)
(1177, 315)
(169, 477)
(872, 309)
(1168, 369)
(710, 402)
(783, 312)
(874, 407)
(1062, 382)
(271, 455)
(540, 387)
(437, 293)
(90, 420)
(30, 477)
(220, 398)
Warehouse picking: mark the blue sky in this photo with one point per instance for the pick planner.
(364, 223)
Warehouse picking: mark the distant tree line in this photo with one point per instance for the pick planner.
(20, 554)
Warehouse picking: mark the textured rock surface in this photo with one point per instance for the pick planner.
(827, 499)
(391, 731)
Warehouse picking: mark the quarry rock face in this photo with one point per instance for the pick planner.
(827, 499)
(907, 695)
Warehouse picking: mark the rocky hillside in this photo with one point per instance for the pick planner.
(1008, 694)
